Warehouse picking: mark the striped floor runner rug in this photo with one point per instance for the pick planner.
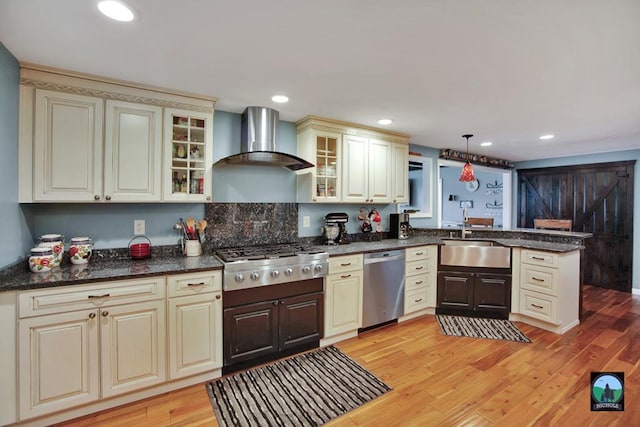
(306, 390)
(480, 328)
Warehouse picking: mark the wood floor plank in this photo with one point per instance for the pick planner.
(439, 380)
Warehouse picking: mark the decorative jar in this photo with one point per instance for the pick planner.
(56, 243)
(41, 260)
(80, 250)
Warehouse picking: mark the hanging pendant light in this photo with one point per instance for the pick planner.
(467, 174)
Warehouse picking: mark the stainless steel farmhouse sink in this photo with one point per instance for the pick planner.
(474, 253)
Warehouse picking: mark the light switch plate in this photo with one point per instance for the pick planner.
(138, 227)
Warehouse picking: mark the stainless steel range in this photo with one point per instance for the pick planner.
(255, 266)
(273, 300)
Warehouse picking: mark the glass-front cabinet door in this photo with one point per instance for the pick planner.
(188, 156)
(327, 149)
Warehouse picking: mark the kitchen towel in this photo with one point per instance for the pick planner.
(306, 390)
(480, 328)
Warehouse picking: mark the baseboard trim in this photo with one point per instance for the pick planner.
(635, 291)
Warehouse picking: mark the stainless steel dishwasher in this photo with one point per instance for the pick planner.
(383, 293)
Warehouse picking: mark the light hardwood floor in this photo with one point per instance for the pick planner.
(449, 381)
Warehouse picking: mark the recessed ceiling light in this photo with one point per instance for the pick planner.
(486, 143)
(546, 136)
(280, 98)
(116, 10)
(385, 122)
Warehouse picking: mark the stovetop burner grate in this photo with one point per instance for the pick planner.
(264, 252)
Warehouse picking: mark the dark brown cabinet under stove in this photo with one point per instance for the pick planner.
(474, 294)
(265, 323)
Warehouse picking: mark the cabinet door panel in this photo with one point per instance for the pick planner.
(400, 173)
(133, 145)
(300, 320)
(493, 293)
(195, 334)
(354, 169)
(343, 312)
(251, 331)
(455, 290)
(379, 171)
(58, 362)
(133, 347)
(67, 147)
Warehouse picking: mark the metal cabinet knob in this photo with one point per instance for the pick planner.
(108, 197)
(96, 197)
(218, 296)
(208, 198)
(105, 313)
(92, 315)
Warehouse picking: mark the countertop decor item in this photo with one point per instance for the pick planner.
(41, 260)
(340, 385)
(140, 250)
(80, 249)
(467, 171)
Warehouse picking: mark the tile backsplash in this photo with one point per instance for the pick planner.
(243, 224)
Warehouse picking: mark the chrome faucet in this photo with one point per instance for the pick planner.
(465, 220)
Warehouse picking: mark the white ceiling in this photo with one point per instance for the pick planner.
(505, 70)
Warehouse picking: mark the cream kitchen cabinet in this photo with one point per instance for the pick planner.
(79, 344)
(91, 139)
(547, 292)
(399, 173)
(322, 183)
(421, 269)
(188, 155)
(367, 165)
(195, 323)
(366, 170)
(343, 298)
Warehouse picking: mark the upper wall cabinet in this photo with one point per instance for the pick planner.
(354, 163)
(91, 139)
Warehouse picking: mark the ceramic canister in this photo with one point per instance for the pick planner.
(56, 243)
(41, 260)
(80, 249)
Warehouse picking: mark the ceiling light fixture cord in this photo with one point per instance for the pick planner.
(467, 174)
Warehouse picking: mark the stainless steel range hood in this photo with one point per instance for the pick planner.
(258, 138)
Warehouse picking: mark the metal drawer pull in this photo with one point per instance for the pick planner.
(345, 277)
(537, 306)
(98, 296)
(418, 300)
(420, 268)
(419, 253)
(196, 284)
(537, 258)
(419, 282)
(345, 264)
(537, 280)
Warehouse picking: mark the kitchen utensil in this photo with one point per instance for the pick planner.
(202, 226)
(191, 228)
(140, 250)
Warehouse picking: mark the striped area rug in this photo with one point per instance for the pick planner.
(306, 390)
(480, 328)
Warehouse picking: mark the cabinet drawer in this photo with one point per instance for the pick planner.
(420, 252)
(416, 281)
(539, 279)
(417, 267)
(545, 259)
(345, 263)
(540, 306)
(68, 298)
(416, 300)
(194, 283)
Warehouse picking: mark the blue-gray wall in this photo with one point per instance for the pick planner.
(16, 235)
(615, 156)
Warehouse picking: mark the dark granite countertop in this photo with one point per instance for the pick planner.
(115, 266)
(101, 270)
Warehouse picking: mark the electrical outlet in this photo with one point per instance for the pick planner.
(138, 226)
(306, 221)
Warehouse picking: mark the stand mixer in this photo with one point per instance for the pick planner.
(335, 228)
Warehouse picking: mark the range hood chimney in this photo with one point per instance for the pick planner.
(258, 138)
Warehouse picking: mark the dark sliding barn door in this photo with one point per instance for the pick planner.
(599, 200)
